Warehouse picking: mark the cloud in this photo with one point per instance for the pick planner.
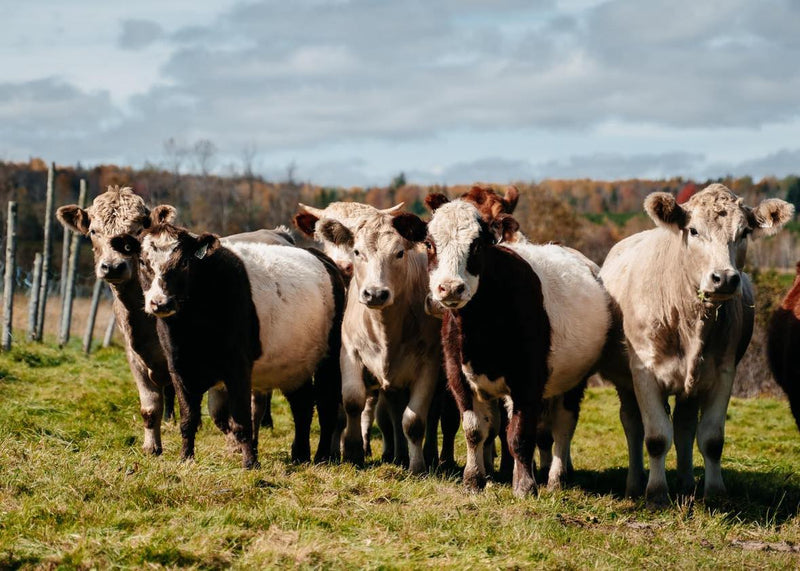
(138, 34)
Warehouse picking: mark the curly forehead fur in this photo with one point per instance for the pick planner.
(118, 211)
(456, 221)
(716, 204)
(377, 232)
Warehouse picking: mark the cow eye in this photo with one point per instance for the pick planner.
(428, 245)
(92, 232)
(693, 231)
(399, 254)
(356, 253)
(127, 247)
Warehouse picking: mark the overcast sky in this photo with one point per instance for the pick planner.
(449, 91)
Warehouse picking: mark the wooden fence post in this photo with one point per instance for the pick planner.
(87, 338)
(72, 272)
(47, 253)
(8, 282)
(62, 284)
(110, 330)
(33, 305)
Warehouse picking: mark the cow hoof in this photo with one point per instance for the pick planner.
(474, 481)
(353, 454)
(717, 491)
(634, 487)
(657, 496)
(152, 449)
(686, 486)
(418, 469)
(554, 484)
(251, 464)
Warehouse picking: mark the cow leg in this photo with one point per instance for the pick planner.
(684, 426)
(711, 432)
(151, 407)
(657, 431)
(241, 414)
(259, 405)
(301, 401)
(633, 426)
(564, 422)
(266, 420)
(398, 401)
(367, 418)
(506, 472)
(190, 419)
(450, 420)
(328, 396)
(383, 414)
(416, 414)
(221, 414)
(489, 451)
(354, 397)
(430, 449)
(475, 422)
(169, 400)
(521, 438)
(544, 435)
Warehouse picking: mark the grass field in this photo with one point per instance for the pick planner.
(77, 492)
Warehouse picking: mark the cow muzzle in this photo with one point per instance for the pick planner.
(375, 297)
(113, 271)
(162, 306)
(721, 285)
(452, 294)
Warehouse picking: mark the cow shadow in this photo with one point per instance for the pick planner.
(768, 498)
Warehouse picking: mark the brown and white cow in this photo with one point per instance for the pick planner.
(687, 312)
(250, 316)
(782, 341)
(560, 413)
(114, 212)
(386, 330)
(524, 322)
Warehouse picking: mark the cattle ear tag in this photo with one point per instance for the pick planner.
(201, 252)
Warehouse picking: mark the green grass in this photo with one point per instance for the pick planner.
(77, 492)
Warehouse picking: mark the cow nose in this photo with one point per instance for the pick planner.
(449, 289)
(725, 281)
(374, 296)
(110, 269)
(162, 306)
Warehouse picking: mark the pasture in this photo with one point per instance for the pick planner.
(76, 491)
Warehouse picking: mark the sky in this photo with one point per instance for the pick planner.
(352, 92)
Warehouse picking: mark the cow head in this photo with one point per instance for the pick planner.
(456, 242)
(380, 247)
(348, 214)
(169, 256)
(714, 226)
(117, 211)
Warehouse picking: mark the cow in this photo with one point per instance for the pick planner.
(560, 413)
(351, 214)
(520, 326)
(687, 318)
(251, 316)
(120, 211)
(783, 339)
(387, 332)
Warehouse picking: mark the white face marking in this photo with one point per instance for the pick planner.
(377, 266)
(454, 227)
(156, 251)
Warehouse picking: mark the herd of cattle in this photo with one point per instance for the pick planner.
(457, 320)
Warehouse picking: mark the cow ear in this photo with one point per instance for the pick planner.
(336, 232)
(306, 223)
(511, 199)
(770, 216)
(435, 200)
(410, 226)
(665, 212)
(206, 244)
(75, 218)
(163, 214)
(126, 245)
(505, 227)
